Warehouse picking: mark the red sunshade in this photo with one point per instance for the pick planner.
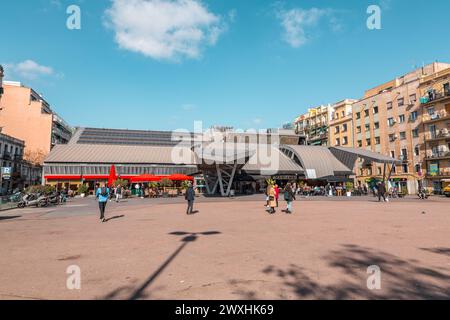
(112, 175)
(180, 177)
(145, 178)
(62, 177)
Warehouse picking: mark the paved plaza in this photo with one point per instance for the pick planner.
(230, 249)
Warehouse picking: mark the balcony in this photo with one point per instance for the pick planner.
(438, 135)
(441, 173)
(439, 155)
(435, 96)
(436, 116)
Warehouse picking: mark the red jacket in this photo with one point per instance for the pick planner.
(277, 192)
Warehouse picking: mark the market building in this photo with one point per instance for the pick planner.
(228, 161)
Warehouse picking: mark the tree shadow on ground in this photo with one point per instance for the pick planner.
(444, 251)
(9, 218)
(142, 292)
(400, 279)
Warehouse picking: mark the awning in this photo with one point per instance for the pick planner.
(348, 156)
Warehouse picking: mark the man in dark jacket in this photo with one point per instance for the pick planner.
(190, 197)
(381, 191)
(289, 196)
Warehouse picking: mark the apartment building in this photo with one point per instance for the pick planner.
(435, 106)
(314, 125)
(27, 116)
(341, 124)
(388, 120)
(1, 81)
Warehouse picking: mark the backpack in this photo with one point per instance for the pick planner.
(286, 195)
(104, 192)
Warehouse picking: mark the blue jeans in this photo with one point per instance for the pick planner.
(289, 205)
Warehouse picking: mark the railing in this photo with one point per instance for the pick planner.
(438, 154)
(436, 135)
(440, 173)
(436, 116)
(434, 95)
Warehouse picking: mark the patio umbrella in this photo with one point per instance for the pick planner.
(180, 177)
(145, 178)
(112, 176)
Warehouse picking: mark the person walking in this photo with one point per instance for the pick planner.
(272, 200)
(102, 195)
(277, 194)
(289, 196)
(118, 193)
(381, 191)
(190, 198)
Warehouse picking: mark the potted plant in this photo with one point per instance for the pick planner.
(165, 183)
(83, 190)
(349, 188)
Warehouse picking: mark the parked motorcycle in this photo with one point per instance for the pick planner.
(33, 200)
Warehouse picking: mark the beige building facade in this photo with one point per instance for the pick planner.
(28, 117)
(435, 106)
(314, 125)
(341, 124)
(388, 120)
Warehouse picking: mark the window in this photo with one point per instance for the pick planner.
(405, 168)
(391, 138)
(389, 105)
(412, 99)
(401, 118)
(377, 140)
(393, 154)
(358, 115)
(336, 129)
(368, 142)
(345, 142)
(404, 154)
(416, 151)
(367, 127)
(344, 127)
(391, 122)
(415, 133)
(401, 102)
(366, 113)
(403, 135)
(343, 114)
(360, 143)
(338, 142)
(375, 110)
(413, 116)
(376, 125)
(358, 129)
(417, 168)
(379, 170)
(430, 110)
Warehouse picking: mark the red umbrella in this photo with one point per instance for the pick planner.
(145, 178)
(180, 177)
(112, 176)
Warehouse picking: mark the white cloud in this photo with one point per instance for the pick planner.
(257, 121)
(164, 29)
(29, 69)
(298, 22)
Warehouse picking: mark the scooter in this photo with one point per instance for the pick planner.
(31, 200)
(53, 198)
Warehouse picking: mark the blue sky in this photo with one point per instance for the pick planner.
(160, 64)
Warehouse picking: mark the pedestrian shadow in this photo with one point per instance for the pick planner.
(140, 292)
(443, 251)
(114, 218)
(9, 218)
